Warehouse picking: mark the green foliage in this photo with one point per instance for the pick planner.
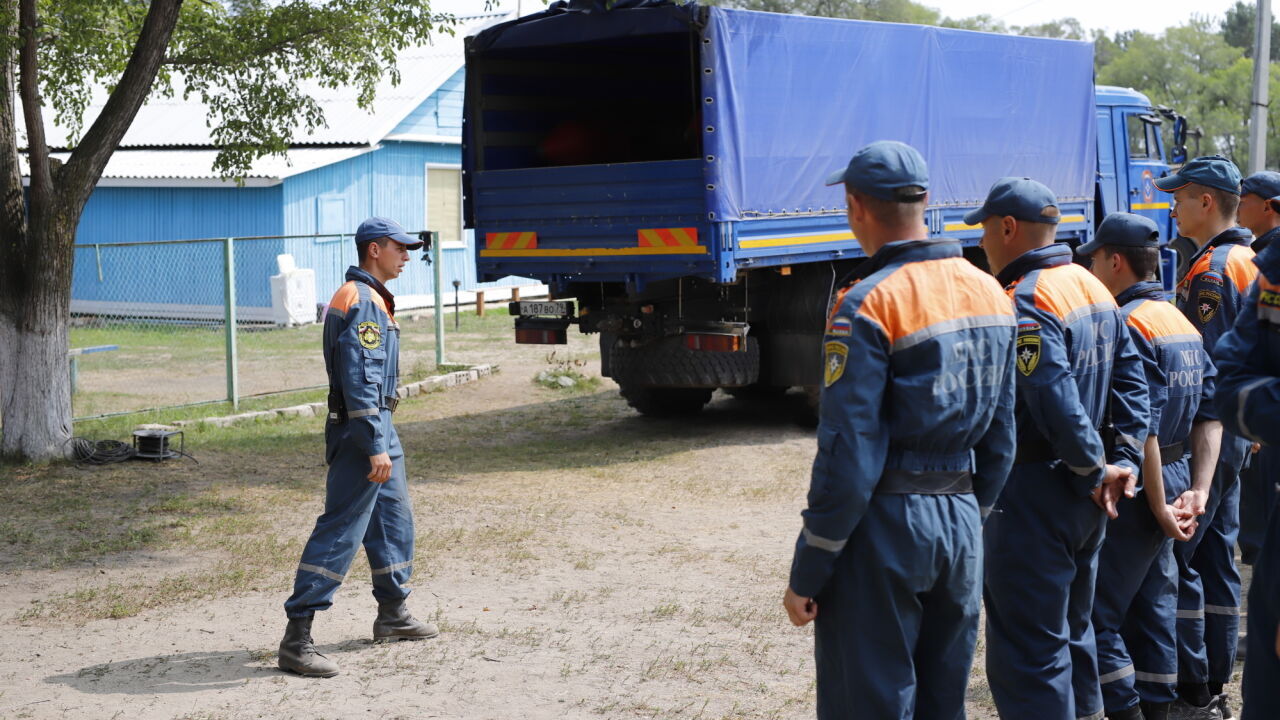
(1238, 29)
(251, 62)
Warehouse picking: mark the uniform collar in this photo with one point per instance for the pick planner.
(1146, 289)
(1230, 236)
(1051, 255)
(361, 275)
(1267, 238)
(1268, 262)
(908, 251)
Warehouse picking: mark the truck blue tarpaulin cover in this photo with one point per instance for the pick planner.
(787, 99)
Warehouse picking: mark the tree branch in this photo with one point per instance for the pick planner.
(29, 90)
(87, 162)
(13, 216)
(188, 60)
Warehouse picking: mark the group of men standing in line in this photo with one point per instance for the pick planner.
(1062, 445)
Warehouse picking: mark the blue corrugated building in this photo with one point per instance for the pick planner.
(399, 159)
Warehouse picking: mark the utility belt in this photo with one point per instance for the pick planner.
(338, 408)
(925, 482)
(1036, 448)
(1172, 453)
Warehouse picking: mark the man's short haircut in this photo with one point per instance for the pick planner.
(362, 250)
(907, 209)
(1143, 261)
(1227, 203)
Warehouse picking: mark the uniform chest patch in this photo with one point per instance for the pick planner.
(1207, 303)
(370, 335)
(841, 326)
(837, 353)
(1028, 353)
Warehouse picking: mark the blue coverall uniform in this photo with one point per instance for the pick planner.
(1257, 488)
(1074, 360)
(916, 435)
(1248, 400)
(361, 354)
(1137, 589)
(1210, 296)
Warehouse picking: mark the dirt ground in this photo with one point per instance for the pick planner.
(583, 562)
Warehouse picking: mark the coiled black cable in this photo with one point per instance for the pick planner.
(101, 452)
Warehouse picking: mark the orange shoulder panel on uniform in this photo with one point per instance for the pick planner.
(1240, 267)
(835, 305)
(1200, 267)
(1066, 288)
(345, 297)
(1156, 318)
(379, 302)
(922, 294)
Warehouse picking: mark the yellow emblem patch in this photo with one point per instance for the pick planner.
(370, 335)
(836, 355)
(1028, 353)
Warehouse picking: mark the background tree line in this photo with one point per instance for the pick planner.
(1201, 68)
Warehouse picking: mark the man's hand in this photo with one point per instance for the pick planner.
(1192, 501)
(1176, 523)
(381, 468)
(1116, 482)
(801, 610)
(1255, 448)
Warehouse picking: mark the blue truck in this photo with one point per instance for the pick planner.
(660, 167)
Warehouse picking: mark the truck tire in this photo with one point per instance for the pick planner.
(665, 402)
(667, 363)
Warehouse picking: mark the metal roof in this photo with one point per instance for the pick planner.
(183, 123)
(195, 167)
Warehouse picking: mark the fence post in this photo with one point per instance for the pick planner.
(439, 293)
(229, 321)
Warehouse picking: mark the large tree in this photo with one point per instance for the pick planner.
(247, 60)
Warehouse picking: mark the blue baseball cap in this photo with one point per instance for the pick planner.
(375, 228)
(1265, 184)
(1021, 198)
(1123, 230)
(882, 169)
(1212, 171)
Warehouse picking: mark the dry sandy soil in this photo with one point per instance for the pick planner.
(582, 561)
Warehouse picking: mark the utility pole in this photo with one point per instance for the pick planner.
(1261, 80)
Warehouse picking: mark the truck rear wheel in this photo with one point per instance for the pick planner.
(666, 402)
(667, 363)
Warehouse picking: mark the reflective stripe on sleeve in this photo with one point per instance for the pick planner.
(1115, 675)
(321, 571)
(1091, 716)
(1086, 471)
(1190, 614)
(1162, 678)
(362, 412)
(1221, 610)
(1242, 400)
(822, 543)
(392, 568)
(1129, 440)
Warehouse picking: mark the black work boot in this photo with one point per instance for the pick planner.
(1129, 713)
(1154, 710)
(395, 623)
(298, 654)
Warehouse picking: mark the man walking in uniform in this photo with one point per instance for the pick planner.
(1248, 399)
(1257, 491)
(366, 493)
(914, 443)
(1136, 602)
(1076, 365)
(1206, 194)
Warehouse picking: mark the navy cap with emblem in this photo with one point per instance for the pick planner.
(375, 228)
(1123, 230)
(882, 169)
(1020, 198)
(1213, 171)
(1265, 184)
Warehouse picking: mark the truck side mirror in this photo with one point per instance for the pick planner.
(1178, 154)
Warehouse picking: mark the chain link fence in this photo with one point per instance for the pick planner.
(184, 322)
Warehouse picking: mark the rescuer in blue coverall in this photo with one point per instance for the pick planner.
(366, 493)
(1257, 491)
(1075, 364)
(1206, 194)
(1248, 400)
(1134, 609)
(915, 440)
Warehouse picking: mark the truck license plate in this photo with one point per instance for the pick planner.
(557, 308)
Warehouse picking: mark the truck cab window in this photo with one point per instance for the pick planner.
(1142, 142)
